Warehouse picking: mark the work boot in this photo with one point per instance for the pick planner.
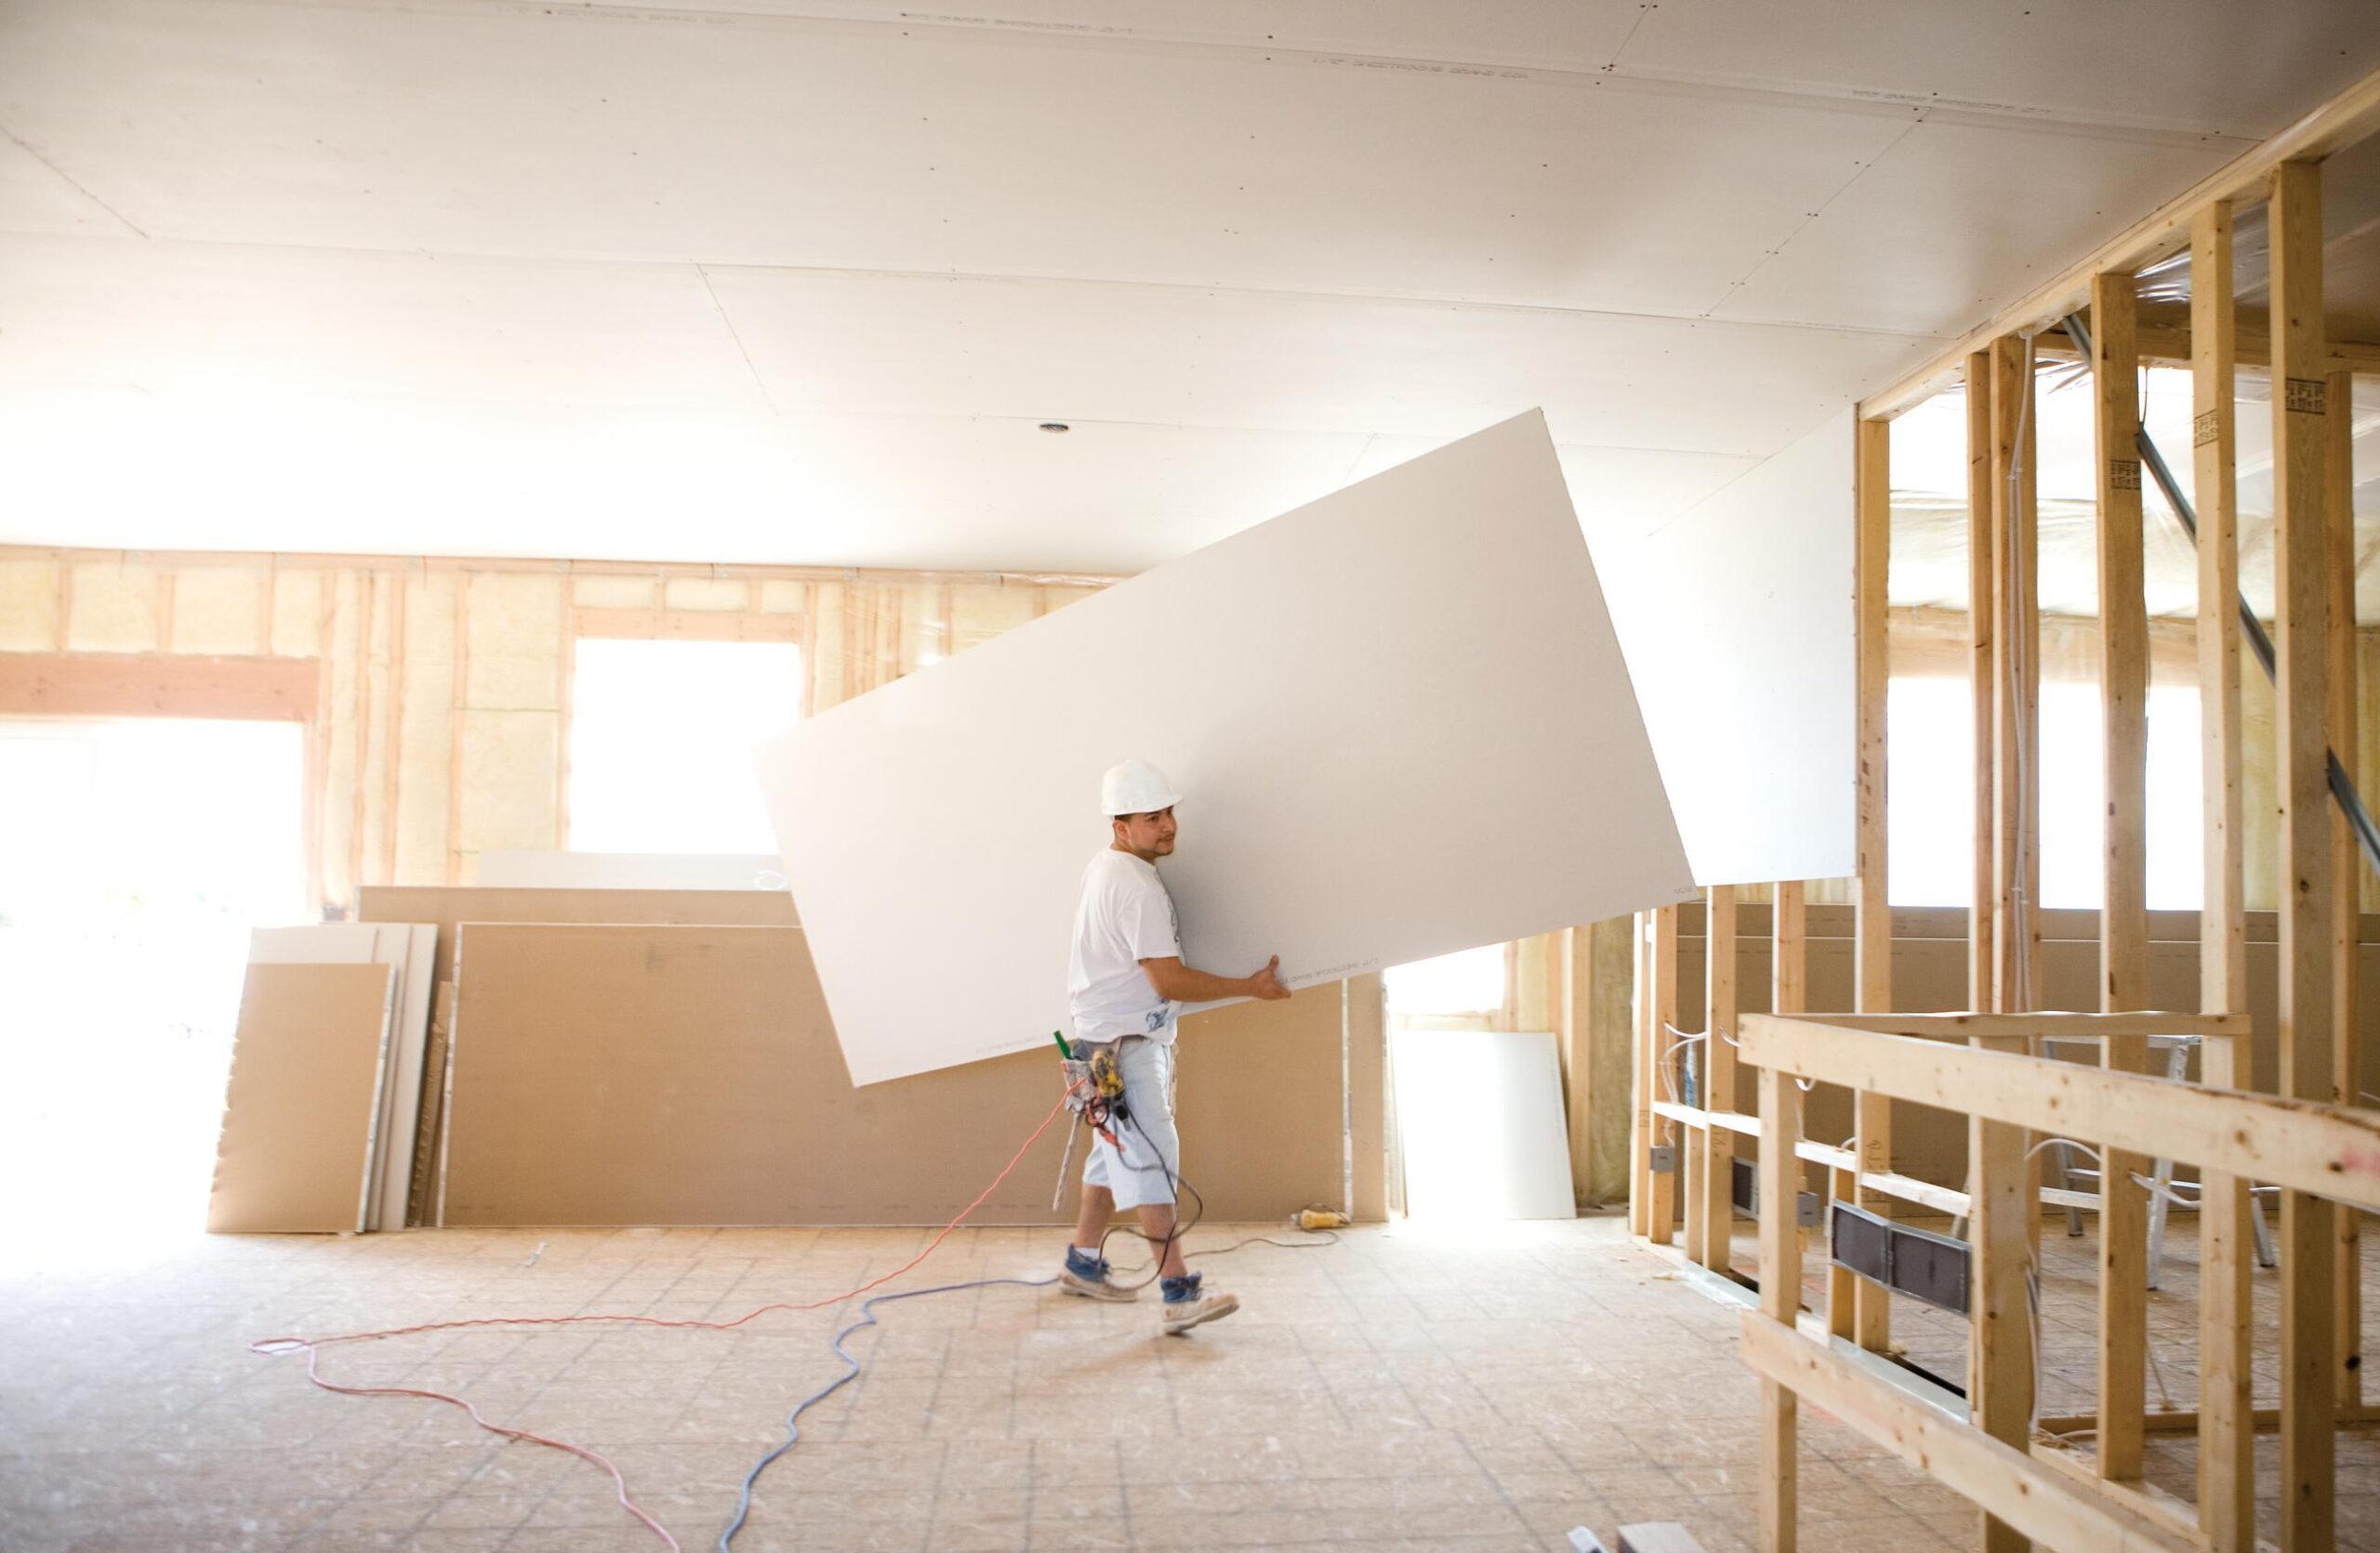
(1186, 1305)
(1086, 1275)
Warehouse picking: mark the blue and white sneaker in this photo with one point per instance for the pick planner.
(1087, 1276)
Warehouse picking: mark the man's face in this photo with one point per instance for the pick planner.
(1147, 837)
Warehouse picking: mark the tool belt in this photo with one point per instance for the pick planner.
(1095, 1082)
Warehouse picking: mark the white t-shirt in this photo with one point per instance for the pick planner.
(1126, 917)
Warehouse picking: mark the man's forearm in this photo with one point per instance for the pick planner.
(1187, 984)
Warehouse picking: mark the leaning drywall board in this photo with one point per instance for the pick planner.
(1398, 714)
(411, 950)
(294, 1154)
(1480, 1126)
(1737, 619)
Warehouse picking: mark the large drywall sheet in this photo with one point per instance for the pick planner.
(690, 1075)
(1737, 619)
(1398, 714)
(295, 1153)
(410, 951)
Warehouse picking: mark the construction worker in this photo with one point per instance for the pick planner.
(1127, 981)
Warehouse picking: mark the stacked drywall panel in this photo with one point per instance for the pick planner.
(1399, 717)
(409, 951)
(516, 868)
(300, 1107)
(633, 1074)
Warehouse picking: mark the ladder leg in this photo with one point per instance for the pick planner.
(2066, 1182)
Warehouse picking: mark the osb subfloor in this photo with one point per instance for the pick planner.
(1396, 1390)
(1936, 1340)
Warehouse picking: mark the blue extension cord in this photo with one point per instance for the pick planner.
(792, 1420)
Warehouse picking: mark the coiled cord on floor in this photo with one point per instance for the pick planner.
(312, 1347)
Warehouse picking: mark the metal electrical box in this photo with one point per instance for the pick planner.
(1917, 1262)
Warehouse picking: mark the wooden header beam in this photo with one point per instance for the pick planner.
(2344, 120)
(159, 684)
(2307, 1146)
(2052, 1027)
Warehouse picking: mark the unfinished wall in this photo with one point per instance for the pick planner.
(1934, 642)
(443, 716)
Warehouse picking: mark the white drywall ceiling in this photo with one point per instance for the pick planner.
(786, 281)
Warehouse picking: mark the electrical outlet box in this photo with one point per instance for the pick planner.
(1665, 1159)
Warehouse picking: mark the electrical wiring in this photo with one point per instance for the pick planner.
(867, 1319)
(312, 1346)
(851, 1373)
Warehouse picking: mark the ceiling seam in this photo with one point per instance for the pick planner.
(62, 176)
(1811, 220)
(871, 413)
(1012, 31)
(706, 267)
(735, 334)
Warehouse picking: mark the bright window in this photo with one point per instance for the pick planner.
(661, 737)
(1469, 981)
(1932, 772)
(134, 856)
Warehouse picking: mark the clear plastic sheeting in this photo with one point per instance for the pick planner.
(2350, 249)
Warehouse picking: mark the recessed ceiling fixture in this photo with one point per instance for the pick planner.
(1055, 426)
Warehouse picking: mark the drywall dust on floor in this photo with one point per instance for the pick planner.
(1477, 1390)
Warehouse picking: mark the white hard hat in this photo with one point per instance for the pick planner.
(1135, 787)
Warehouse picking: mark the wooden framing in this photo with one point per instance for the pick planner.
(2042, 1504)
(1641, 1090)
(2307, 1146)
(2322, 1151)
(2308, 1236)
(1781, 1305)
(160, 684)
(2001, 1359)
(2347, 864)
(2124, 912)
(1982, 595)
(1653, 1195)
(2303, 1144)
(1790, 947)
(2167, 340)
(1713, 1210)
(295, 561)
(1856, 1308)
(684, 625)
(2016, 685)
(2342, 121)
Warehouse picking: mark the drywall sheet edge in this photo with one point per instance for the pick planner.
(294, 1154)
(1398, 715)
(451, 905)
(1737, 619)
(515, 868)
